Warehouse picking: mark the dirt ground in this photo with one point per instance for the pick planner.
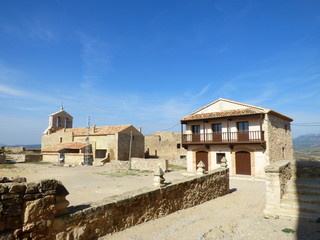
(87, 183)
(236, 216)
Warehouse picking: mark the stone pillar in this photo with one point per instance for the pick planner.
(274, 186)
(158, 180)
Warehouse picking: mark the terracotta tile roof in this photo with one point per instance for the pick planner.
(107, 130)
(238, 112)
(251, 109)
(60, 146)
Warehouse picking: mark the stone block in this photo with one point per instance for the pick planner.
(3, 188)
(17, 188)
(3, 179)
(18, 179)
(32, 188)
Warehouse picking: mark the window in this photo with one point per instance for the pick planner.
(178, 146)
(61, 140)
(101, 153)
(219, 157)
(195, 128)
(243, 126)
(217, 127)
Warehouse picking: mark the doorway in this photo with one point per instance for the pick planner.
(243, 163)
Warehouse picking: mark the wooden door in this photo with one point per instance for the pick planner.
(243, 163)
(202, 156)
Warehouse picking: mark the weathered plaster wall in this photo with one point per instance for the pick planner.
(279, 139)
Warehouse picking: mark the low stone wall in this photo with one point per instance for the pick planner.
(126, 210)
(34, 210)
(28, 210)
(24, 157)
(149, 164)
(277, 176)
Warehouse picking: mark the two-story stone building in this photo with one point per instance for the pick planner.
(250, 137)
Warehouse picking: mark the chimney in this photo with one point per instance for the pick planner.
(140, 129)
(94, 128)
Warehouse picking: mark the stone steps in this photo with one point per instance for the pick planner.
(302, 199)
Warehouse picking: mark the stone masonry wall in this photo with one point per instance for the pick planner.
(39, 210)
(28, 210)
(166, 145)
(137, 148)
(279, 139)
(126, 210)
(307, 169)
(149, 164)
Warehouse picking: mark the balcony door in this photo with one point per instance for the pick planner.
(243, 131)
(195, 133)
(217, 132)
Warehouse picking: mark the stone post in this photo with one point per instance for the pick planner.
(274, 186)
(200, 170)
(224, 162)
(158, 180)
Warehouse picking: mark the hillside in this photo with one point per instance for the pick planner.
(307, 147)
(307, 142)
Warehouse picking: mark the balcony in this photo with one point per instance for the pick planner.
(223, 137)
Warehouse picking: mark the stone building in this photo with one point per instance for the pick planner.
(250, 137)
(165, 145)
(61, 141)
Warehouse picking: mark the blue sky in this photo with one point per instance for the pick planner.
(151, 62)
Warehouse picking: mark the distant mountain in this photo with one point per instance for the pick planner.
(307, 142)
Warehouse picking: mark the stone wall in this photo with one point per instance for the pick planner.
(28, 210)
(33, 211)
(165, 145)
(137, 148)
(149, 164)
(24, 157)
(277, 176)
(13, 149)
(279, 139)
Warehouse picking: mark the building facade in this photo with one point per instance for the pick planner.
(250, 137)
(61, 141)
